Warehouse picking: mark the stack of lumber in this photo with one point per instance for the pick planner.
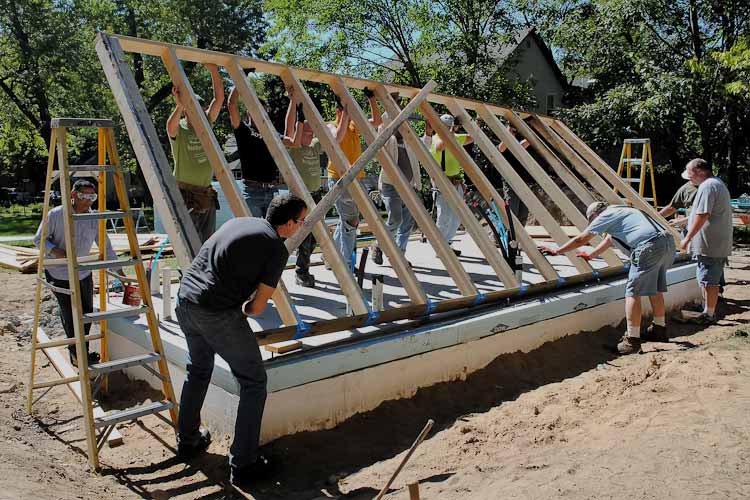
(25, 259)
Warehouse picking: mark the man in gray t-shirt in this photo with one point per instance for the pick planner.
(709, 236)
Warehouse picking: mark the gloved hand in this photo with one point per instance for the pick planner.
(368, 93)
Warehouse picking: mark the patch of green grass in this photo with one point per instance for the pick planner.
(21, 220)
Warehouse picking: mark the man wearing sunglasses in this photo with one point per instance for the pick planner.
(86, 233)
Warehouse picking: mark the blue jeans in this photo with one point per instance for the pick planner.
(447, 219)
(258, 199)
(400, 221)
(227, 334)
(345, 236)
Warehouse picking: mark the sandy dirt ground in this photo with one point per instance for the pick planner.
(569, 420)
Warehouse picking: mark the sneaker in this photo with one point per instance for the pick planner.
(305, 279)
(703, 319)
(629, 345)
(377, 256)
(258, 470)
(655, 333)
(186, 451)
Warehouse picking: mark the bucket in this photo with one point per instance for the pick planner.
(131, 296)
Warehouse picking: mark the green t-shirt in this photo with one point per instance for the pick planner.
(684, 196)
(307, 161)
(452, 167)
(191, 164)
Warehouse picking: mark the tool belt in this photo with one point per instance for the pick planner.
(259, 185)
(198, 199)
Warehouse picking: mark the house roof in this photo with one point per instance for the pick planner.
(506, 51)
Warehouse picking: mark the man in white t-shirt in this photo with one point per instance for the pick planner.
(709, 234)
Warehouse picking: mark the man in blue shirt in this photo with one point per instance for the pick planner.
(86, 233)
(652, 254)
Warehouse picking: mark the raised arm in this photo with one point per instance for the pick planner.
(377, 117)
(218, 85)
(234, 108)
(292, 129)
(173, 122)
(342, 126)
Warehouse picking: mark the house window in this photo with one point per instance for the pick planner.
(550, 103)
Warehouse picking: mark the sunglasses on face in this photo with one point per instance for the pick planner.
(87, 196)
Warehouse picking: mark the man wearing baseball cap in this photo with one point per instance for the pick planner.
(682, 200)
(652, 252)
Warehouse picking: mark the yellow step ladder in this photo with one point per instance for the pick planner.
(98, 425)
(629, 163)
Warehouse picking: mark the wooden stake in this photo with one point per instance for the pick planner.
(414, 491)
(406, 458)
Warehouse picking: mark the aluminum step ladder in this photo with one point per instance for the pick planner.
(98, 425)
(629, 163)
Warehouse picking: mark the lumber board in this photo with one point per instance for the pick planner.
(546, 183)
(526, 195)
(496, 261)
(202, 127)
(62, 366)
(490, 194)
(358, 193)
(404, 189)
(565, 175)
(583, 168)
(192, 54)
(148, 150)
(282, 347)
(611, 176)
(294, 180)
(438, 176)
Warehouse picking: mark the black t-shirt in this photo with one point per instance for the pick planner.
(244, 252)
(255, 159)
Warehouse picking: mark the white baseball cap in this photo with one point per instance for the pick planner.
(447, 120)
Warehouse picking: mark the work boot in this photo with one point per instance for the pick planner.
(93, 358)
(188, 451)
(258, 470)
(305, 279)
(655, 333)
(703, 319)
(629, 345)
(377, 256)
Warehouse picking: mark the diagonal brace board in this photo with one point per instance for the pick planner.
(294, 180)
(413, 204)
(357, 191)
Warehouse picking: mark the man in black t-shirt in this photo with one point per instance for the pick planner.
(234, 275)
(259, 171)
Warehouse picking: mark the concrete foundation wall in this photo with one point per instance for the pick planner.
(322, 389)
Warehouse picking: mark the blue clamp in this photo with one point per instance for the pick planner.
(431, 305)
(595, 273)
(303, 328)
(523, 289)
(479, 299)
(560, 281)
(372, 317)
(626, 266)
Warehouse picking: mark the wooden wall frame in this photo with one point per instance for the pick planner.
(571, 160)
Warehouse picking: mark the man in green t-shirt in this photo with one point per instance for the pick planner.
(191, 166)
(447, 219)
(682, 199)
(304, 150)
